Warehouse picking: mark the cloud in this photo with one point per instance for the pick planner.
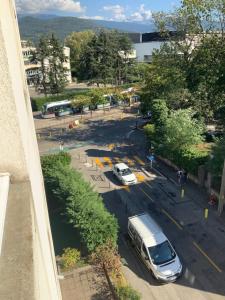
(36, 6)
(92, 17)
(141, 15)
(117, 12)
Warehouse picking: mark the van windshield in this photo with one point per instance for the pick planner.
(161, 253)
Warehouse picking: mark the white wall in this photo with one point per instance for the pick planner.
(145, 49)
(19, 149)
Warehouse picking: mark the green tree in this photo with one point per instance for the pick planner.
(39, 56)
(77, 41)
(182, 130)
(105, 57)
(57, 71)
(81, 101)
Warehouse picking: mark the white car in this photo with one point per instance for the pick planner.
(124, 174)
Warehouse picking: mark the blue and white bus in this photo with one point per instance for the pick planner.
(58, 108)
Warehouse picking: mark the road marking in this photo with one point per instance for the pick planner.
(172, 219)
(207, 257)
(149, 185)
(139, 160)
(111, 146)
(146, 194)
(108, 161)
(129, 162)
(129, 133)
(140, 177)
(99, 163)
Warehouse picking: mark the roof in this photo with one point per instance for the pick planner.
(51, 104)
(121, 166)
(148, 229)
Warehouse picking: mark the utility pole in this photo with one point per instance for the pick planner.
(222, 192)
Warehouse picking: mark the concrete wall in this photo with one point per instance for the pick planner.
(147, 48)
(19, 152)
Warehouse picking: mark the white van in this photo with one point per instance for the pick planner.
(154, 248)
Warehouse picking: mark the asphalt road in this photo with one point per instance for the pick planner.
(97, 145)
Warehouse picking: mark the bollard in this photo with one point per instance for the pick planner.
(182, 193)
(50, 133)
(206, 213)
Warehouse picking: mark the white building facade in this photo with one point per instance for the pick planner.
(33, 71)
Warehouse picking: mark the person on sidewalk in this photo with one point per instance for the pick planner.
(184, 177)
(179, 176)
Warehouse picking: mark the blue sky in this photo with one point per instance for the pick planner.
(123, 10)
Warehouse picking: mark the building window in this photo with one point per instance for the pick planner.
(147, 58)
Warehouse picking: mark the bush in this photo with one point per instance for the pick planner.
(149, 130)
(127, 293)
(188, 159)
(37, 103)
(83, 206)
(49, 162)
(70, 257)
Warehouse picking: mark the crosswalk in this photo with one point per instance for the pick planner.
(132, 162)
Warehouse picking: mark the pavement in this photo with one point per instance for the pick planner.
(85, 284)
(200, 242)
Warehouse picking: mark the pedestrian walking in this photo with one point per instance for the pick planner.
(61, 144)
(179, 175)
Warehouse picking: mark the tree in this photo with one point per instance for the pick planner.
(57, 71)
(39, 56)
(105, 57)
(182, 130)
(77, 41)
(81, 101)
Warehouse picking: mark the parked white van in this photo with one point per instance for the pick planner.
(154, 248)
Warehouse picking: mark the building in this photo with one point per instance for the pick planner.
(145, 43)
(33, 71)
(27, 258)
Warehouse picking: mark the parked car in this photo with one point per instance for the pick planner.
(154, 248)
(124, 174)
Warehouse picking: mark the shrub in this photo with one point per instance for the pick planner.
(70, 257)
(149, 130)
(127, 293)
(189, 158)
(107, 256)
(83, 206)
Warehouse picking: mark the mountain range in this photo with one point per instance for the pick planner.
(34, 26)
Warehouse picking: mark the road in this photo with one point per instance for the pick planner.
(98, 144)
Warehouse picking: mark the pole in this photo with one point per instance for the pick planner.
(222, 192)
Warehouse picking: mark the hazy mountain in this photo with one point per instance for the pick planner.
(33, 26)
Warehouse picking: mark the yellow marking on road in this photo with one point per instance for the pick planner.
(139, 160)
(99, 163)
(129, 162)
(207, 257)
(126, 187)
(140, 177)
(111, 146)
(108, 161)
(145, 194)
(172, 219)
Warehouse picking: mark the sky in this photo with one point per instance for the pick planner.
(122, 10)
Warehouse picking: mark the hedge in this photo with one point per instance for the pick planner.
(188, 159)
(83, 207)
(37, 103)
